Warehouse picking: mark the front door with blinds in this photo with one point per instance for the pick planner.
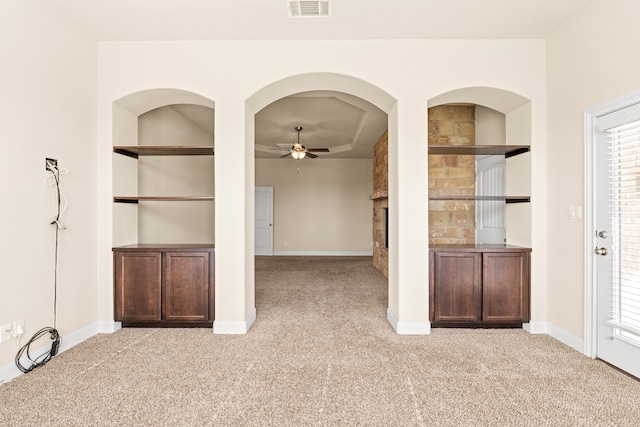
(617, 238)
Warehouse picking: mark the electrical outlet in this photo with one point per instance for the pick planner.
(5, 332)
(48, 163)
(18, 328)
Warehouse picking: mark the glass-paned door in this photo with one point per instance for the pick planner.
(617, 248)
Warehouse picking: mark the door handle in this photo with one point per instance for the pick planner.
(601, 251)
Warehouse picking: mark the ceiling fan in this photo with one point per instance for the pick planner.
(299, 151)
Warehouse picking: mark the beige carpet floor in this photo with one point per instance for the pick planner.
(321, 353)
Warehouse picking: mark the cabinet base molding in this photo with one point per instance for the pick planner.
(163, 324)
(475, 325)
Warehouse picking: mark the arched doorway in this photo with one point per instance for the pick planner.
(335, 83)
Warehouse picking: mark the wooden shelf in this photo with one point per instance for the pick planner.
(475, 150)
(378, 195)
(166, 150)
(136, 199)
(506, 199)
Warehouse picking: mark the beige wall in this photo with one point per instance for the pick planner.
(320, 205)
(591, 59)
(175, 222)
(48, 107)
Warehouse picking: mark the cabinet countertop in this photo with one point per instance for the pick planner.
(479, 248)
(165, 246)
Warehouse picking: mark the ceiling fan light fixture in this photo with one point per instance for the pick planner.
(298, 155)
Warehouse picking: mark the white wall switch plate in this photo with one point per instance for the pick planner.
(575, 212)
(5, 332)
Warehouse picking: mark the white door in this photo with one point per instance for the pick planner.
(617, 240)
(264, 221)
(491, 214)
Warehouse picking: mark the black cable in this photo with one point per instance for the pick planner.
(43, 358)
(54, 335)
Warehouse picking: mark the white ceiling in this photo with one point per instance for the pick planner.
(127, 20)
(348, 126)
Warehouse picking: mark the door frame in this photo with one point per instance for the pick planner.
(590, 284)
(269, 189)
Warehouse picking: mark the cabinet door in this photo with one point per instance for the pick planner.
(505, 287)
(138, 284)
(186, 286)
(456, 287)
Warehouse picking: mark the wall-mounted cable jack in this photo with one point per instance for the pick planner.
(18, 330)
(51, 164)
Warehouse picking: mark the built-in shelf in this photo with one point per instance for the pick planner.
(480, 150)
(135, 151)
(476, 150)
(378, 195)
(136, 199)
(167, 150)
(506, 199)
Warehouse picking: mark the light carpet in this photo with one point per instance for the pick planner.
(321, 353)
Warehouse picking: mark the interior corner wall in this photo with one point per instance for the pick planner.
(48, 109)
(581, 74)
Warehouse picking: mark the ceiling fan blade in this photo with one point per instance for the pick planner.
(313, 156)
(286, 155)
(318, 150)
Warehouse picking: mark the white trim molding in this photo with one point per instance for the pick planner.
(108, 326)
(535, 327)
(557, 333)
(408, 328)
(230, 327)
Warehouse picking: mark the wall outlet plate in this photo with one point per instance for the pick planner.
(5, 332)
(18, 328)
(49, 161)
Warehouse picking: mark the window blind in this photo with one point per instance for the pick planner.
(624, 202)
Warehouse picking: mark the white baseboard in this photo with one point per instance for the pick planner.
(323, 253)
(226, 327)
(11, 371)
(108, 326)
(408, 328)
(565, 337)
(535, 327)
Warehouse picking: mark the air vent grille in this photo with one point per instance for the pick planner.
(309, 9)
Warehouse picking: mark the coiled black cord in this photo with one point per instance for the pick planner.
(43, 358)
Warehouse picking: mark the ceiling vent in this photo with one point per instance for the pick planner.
(309, 9)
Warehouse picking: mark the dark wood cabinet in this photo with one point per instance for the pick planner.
(479, 285)
(164, 285)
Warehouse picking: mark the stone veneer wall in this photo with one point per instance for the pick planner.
(380, 201)
(450, 221)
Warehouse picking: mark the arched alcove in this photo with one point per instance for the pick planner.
(517, 112)
(126, 114)
(314, 82)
